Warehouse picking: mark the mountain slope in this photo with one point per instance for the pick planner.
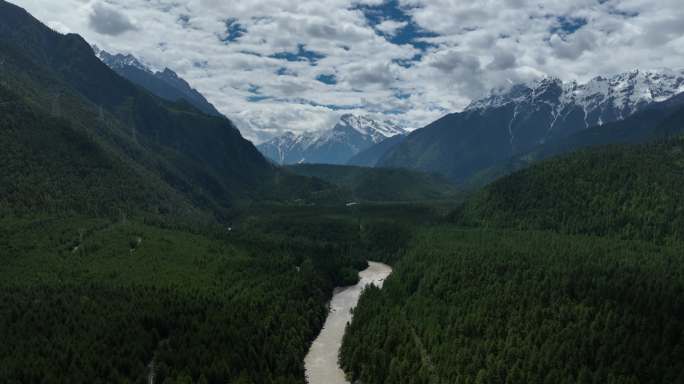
(380, 184)
(351, 135)
(461, 303)
(165, 84)
(371, 156)
(48, 167)
(523, 117)
(630, 191)
(492, 306)
(658, 121)
(202, 158)
(112, 202)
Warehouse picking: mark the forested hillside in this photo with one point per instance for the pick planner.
(125, 254)
(625, 191)
(477, 306)
(87, 300)
(50, 168)
(380, 184)
(583, 285)
(201, 157)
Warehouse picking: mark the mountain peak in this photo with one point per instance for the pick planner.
(523, 117)
(626, 91)
(377, 130)
(119, 61)
(171, 75)
(165, 84)
(350, 135)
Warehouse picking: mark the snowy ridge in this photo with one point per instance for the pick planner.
(625, 92)
(119, 61)
(516, 122)
(165, 84)
(378, 131)
(349, 136)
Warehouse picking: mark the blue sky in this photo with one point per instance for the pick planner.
(279, 65)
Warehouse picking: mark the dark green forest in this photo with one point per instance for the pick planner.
(487, 306)
(143, 240)
(624, 191)
(95, 300)
(128, 146)
(129, 239)
(570, 271)
(381, 184)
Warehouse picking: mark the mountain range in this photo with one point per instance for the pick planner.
(144, 240)
(473, 146)
(370, 156)
(515, 120)
(351, 135)
(165, 84)
(98, 144)
(632, 191)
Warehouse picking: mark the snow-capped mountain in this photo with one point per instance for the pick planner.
(513, 121)
(351, 135)
(119, 61)
(374, 130)
(570, 106)
(165, 84)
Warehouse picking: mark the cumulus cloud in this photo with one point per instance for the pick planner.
(109, 21)
(450, 61)
(574, 46)
(502, 60)
(391, 27)
(260, 61)
(362, 76)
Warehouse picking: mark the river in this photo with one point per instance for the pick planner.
(320, 363)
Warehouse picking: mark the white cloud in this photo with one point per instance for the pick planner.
(573, 46)
(59, 27)
(391, 27)
(476, 46)
(502, 60)
(109, 21)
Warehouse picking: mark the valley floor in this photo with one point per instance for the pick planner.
(200, 305)
(462, 305)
